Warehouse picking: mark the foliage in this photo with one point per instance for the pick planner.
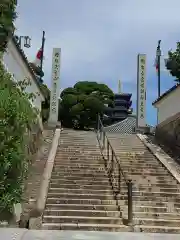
(173, 62)
(46, 104)
(81, 104)
(7, 17)
(16, 116)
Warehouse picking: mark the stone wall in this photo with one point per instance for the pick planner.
(168, 134)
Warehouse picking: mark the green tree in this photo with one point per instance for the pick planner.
(7, 17)
(173, 62)
(81, 104)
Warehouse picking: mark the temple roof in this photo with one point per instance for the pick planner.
(125, 96)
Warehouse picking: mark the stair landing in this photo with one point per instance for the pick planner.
(24, 234)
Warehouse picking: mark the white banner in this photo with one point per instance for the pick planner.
(141, 90)
(55, 86)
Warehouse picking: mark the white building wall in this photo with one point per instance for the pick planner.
(169, 105)
(16, 66)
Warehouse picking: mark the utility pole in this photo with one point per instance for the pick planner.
(42, 48)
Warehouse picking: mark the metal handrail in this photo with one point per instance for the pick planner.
(114, 173)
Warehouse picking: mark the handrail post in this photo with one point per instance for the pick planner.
(98, 123)
(119, 179)
(130, 210)
(108, 150)
(103, 139)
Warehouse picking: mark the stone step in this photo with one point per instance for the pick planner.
(79, 161)
(123, 190)
(81, 157)
(157, 222)
(136, 162)
(141, 166)
(81, 191)
(82, 187)
(145, 169)
(100, 171)
(88, 142)
(154, 215)
(140, 159)
(82, 207)
(65, 151)
(158, 203)
(81, 213)
(152, 209)
(86, 227)
(150, 177)
(143, 173)
(79, 177)
(90, 181)
(79, 182)
(61, 167)
(81, 219)
(78, 142)
(80, 165)
(79, 172)
(157, 229)
(91, 168)
(154, 187)
(137, 193)
(80, 196)
(152, 198)
(73, 200)
(155, 181)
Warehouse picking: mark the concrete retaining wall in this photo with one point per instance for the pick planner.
(168, 133)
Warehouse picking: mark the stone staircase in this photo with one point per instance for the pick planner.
(80, 196)
(156, 194)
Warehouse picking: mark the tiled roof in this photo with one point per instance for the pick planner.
(126, 126)
(22, 54)
(166, 93)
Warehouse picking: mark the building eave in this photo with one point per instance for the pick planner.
(165, 94)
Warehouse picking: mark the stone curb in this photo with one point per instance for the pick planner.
(41, 201)
(163, 158)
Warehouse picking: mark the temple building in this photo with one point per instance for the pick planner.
(121, 109)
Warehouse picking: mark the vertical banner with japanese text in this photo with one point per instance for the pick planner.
(55, 86)
(141, 90)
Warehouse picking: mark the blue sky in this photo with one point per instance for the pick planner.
(100, 40)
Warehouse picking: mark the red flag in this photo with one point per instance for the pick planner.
(39, 54)
(158, 54)
(38, 59)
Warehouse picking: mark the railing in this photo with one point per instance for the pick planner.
(114, 170)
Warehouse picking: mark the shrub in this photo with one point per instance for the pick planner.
(16, 117)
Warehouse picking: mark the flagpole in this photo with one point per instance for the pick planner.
(159, 67)
(42, 47)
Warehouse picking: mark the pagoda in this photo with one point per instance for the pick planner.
(121, 108)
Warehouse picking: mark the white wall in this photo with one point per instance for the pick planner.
(16, 66)
(169, 105)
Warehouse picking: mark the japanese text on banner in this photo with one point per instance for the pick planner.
(142, 87)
